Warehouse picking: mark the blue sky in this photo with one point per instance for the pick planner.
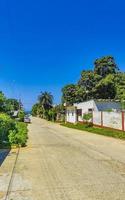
(46, 44)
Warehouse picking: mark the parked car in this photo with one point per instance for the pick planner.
(27, 119)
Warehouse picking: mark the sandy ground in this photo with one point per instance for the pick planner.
(64, 164)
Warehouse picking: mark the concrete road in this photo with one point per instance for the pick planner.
(64, 164)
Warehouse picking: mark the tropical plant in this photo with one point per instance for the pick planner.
(45, 103)
(52, 114)
(45, 100)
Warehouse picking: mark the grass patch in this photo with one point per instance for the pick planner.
(97, 130)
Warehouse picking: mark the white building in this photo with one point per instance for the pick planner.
(76, 112)
(71, 114)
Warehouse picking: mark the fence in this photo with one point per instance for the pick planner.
(114, 120)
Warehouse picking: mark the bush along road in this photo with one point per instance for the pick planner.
(12, 132)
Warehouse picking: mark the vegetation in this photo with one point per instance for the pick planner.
(11, 131)
(35, 109)
(44, 107)
(6, 124)
(18, 136)
(96, 130)
(87, 117)
(45, 104)
(21, 115)
(105, 65)
(2, 102)
(104, 82)
(12, 105)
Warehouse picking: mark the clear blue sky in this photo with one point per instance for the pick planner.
(46, 44)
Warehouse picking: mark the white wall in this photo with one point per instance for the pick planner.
(112, 120)
(109, 119)
(71, 116)
(85, 106)
(97, 106)
(97, 118)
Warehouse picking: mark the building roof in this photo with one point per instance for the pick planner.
(99, 101)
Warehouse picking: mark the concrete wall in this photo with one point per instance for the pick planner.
(112, 120)
(101, 117)
(109, 119)
(97, 118)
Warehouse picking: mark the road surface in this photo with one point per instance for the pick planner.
(64, 164)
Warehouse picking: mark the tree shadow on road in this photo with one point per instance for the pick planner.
(3, 154)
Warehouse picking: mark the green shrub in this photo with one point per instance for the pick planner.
(21, 115)
(6, 124)
(87, 116)
(19, 135)
(11, 132)
(52, 114)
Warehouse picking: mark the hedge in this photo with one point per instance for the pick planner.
(12, 132)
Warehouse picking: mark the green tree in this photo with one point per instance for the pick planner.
(105, 89)
(120, 86)
(80, 94)
(21, 115)
(105, 82)
(69, 94)
(87, 82)
(11, 105)
(2, 102)
(35, 109)
(52, 114)
(45, 101)
(40, 111)
(105, 65)
(6, 124)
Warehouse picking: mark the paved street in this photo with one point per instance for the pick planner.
(64, 164)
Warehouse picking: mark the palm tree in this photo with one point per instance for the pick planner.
(46, 100)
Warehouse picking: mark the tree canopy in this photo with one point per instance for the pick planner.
(45, 100)
(104, 82)
(105, 65)
(12, 105)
